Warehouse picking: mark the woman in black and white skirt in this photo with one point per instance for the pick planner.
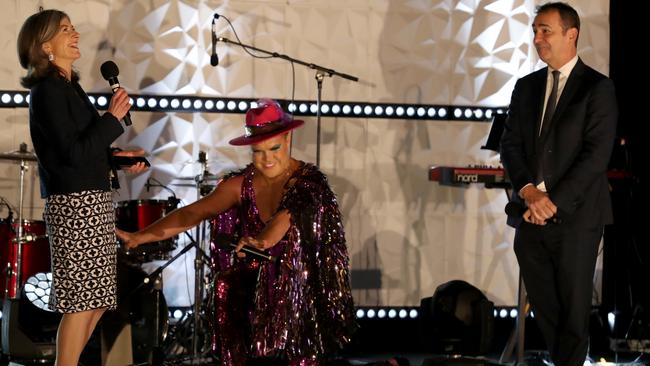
(72, 143)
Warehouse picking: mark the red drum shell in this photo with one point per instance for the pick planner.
(136, 215)
(35, 254)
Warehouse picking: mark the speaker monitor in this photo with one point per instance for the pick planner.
(28, 333)
(455, 361)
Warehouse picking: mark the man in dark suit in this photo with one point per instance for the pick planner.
(555, 147)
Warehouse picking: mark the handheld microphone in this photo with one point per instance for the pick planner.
(229, 242)
(110, 71)
(516, 209)
(214, 58)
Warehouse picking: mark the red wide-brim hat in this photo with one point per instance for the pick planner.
(265, 121)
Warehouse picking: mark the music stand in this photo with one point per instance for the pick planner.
(494, 137)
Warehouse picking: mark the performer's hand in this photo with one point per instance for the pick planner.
(137, 167)
(128, 239)
(119, 104)
(251, 242)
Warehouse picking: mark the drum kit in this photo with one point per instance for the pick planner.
(25, 255)
(190, 333)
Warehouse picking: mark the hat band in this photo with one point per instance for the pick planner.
(263, 129)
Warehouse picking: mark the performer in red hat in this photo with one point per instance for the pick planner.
(265, 121)
(297, 309)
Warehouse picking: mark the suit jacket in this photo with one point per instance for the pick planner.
(70, 138)
(574, 147)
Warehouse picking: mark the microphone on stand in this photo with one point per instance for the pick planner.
(203, 157)
(110, 71)
(203, 160)
(147, 184)
(214, 58)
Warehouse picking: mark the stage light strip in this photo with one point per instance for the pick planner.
(193, 104)
(405, 312)
(379, 312)
(387, 312)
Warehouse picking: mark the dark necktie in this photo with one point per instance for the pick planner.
(548, 114)
(550, 103)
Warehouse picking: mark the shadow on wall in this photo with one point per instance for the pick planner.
(407, 55)
(374, 280)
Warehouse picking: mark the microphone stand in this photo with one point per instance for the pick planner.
(321, 72)
(154, 279)
(198, 260)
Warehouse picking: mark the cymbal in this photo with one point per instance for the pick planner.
(205, 177)
(18, 156)
(192, 185)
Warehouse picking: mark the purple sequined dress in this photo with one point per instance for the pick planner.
(300, 307)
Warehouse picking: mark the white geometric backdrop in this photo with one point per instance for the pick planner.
(406, 235)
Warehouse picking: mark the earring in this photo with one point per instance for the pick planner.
(50, 57)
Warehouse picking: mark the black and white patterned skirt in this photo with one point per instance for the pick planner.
(81, 230)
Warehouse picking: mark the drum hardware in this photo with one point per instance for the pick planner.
(191, 339)
(23, 156)
(13, 277)
(28, 238)
(34, 249)
(135, 215)
(199, 179)
(191, 185)
(153, 280)
(206, 177)
(201, 183)
(19, 155)
(156, 183)
(199, 262)
(199, 345)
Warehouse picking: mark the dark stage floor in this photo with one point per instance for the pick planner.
(533, 358)
(377, 340)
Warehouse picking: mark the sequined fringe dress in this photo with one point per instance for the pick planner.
(300, 307)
